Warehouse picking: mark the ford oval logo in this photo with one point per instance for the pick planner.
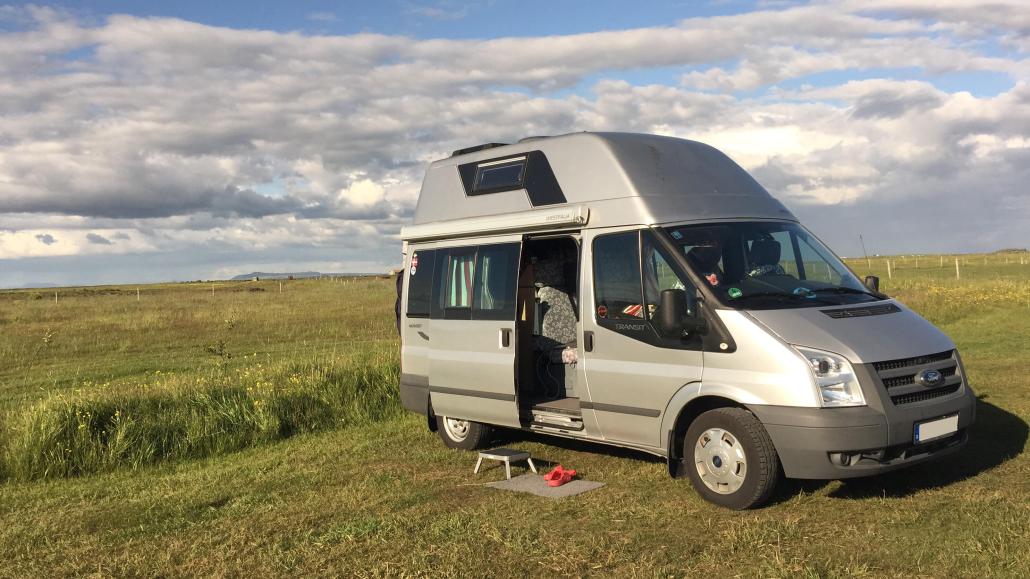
(931, 378)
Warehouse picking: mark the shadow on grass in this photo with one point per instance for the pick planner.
(514, 436)
(996, 437)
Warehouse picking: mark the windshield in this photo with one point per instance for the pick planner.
(763, 265)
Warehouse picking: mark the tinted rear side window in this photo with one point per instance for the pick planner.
(497, 272)
(420, 282)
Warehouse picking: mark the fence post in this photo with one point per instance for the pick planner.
(280, 287)
(889, 276)
(137, 294)
(942, 261)
(55, 296)
(957, 274)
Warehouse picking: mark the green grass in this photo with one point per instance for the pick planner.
(276, 448)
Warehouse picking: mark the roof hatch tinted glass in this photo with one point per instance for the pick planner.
(506, 174)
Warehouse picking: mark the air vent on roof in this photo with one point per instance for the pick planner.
(862, 311)
(482, 147)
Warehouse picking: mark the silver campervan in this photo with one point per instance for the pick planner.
(646, 292)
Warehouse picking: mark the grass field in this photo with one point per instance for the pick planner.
(252, 432)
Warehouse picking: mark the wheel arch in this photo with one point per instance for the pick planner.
(430, 416)
(686, 415)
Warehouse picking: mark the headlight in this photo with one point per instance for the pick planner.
(834, 378)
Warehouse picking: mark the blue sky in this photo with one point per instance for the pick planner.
(147, 141)
(421, 19)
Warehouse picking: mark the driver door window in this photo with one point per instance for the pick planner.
(629, 276)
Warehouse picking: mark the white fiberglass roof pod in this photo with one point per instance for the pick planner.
(585, 180)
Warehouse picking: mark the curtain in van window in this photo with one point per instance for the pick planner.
(485, 300)
(460, 273)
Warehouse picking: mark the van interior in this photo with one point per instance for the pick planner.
(547, 352)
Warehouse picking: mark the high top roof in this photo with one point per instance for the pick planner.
(620, 178)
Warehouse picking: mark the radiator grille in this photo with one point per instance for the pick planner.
(899, 377)
(906, 362)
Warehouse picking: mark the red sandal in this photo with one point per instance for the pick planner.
(559, 476)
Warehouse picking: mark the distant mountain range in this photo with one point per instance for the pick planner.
(294, 275)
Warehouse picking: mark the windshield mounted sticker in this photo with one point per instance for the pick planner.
(414, 263)
(734, 292)
(602, 311)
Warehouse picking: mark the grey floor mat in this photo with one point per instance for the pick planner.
(535, 484)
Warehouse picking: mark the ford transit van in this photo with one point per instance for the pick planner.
(646, 292)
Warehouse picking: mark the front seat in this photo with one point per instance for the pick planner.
(765, 258)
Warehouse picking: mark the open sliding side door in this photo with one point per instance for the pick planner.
(472, 344)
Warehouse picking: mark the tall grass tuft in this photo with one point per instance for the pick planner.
(179, 417)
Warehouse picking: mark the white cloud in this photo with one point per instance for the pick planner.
(183, 137)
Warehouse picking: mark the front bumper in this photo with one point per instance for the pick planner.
(837, 443)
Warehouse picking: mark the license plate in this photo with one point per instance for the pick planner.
(927, 431)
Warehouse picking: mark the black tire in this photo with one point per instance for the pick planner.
(476, 435)
(761, 465)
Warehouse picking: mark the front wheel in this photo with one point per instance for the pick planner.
(730, 458)
(463, 434)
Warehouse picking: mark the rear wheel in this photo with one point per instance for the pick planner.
(463, 434)
(730, 458)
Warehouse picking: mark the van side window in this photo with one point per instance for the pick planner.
(617, 277)
(496, 280)
(420, 282)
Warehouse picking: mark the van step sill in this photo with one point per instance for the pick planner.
(558, 427)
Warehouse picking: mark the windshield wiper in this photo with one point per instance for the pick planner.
(847, 290)
(786, 296)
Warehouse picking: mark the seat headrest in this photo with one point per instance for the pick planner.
(765, 252)
(705, 257)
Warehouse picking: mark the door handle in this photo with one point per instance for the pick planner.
(588, 341)
(505, 337)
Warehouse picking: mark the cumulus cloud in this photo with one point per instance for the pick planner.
(172, 136)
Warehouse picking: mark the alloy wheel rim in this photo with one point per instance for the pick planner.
(720, 461)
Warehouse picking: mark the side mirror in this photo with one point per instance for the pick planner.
(873, 283)
(673, 318)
